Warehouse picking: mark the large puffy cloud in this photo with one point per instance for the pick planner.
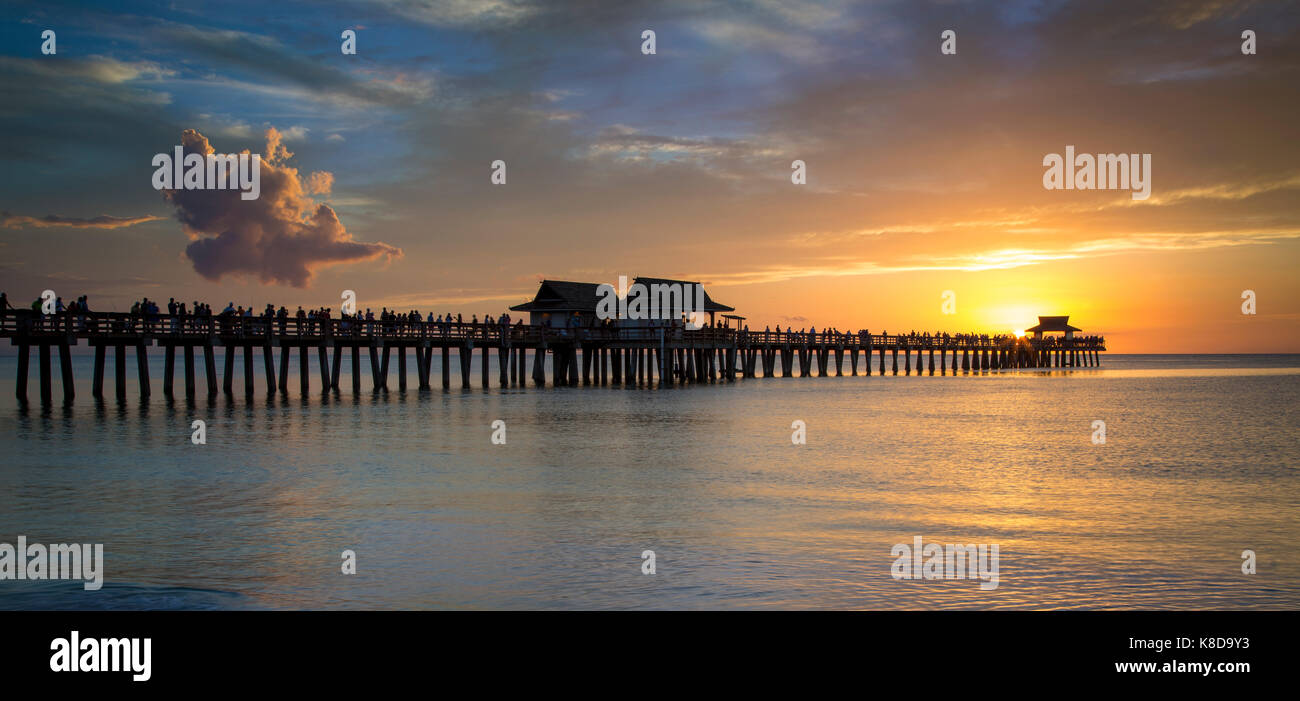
(281, 237)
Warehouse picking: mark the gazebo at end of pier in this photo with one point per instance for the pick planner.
(1054, 324)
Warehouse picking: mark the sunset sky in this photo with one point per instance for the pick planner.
(924, 170)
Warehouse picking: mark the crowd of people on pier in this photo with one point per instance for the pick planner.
(1051, 342)
(913, 339)
(147, 316)
(832, 336)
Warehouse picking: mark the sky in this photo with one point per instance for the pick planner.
(924, 170)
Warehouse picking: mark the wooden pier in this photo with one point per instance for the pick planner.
(638, 356)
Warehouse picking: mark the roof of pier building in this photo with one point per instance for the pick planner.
(1052, 323)
(569, 297)
(687, 289)
(562, 296)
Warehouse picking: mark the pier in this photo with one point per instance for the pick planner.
(642, 355)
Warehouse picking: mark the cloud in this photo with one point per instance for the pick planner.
(320, 183)
(226, 126)
(1228, 191)
(97, 69)
(282, 70)
(295, 133)
(16, 221)
(281, 237)
(462, 12)
(1005, 258)
(757, 36)
(629, 144)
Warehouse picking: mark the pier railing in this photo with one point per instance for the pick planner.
(123, 326)
(641, 355)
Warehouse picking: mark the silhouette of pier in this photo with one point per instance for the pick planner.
(650, 355)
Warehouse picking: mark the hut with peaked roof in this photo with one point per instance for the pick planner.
(558, 301)
(688, 291)
(1053, 324)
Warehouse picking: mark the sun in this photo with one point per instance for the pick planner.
(1012, 317)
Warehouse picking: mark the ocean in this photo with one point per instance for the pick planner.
(1198, 465)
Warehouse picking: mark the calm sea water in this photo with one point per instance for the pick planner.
(1200, 463)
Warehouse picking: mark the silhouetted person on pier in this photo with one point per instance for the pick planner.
(82, 312)
(59, 309)
(5, 306)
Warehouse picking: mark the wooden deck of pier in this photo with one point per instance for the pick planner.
(642, 356)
